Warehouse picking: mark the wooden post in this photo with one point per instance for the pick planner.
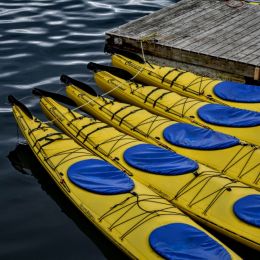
(257, 73)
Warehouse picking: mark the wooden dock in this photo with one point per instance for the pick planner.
(205, 36)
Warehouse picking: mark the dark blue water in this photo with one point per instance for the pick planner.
(39, 40)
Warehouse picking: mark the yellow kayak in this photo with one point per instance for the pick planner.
(226, 154)
(142, 224)
(253, 2)
(243, 124)
(189, 84)
(206, 195)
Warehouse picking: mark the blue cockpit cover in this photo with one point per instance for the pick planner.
(189, 136)
(157, 160)
(237, 92)
(248, 209)
(182, 241)
(99, 177)
(228, 116)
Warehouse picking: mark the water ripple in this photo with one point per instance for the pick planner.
(8, 74)
(16, 56)
(28, 31)
(8, 12)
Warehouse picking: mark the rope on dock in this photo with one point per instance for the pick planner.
(235, 3)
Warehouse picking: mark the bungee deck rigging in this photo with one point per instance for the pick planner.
(237, 159)
(131, 215)
(186, 83)
(178, 108)
(199, 193)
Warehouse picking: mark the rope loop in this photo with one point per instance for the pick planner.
(235, 3)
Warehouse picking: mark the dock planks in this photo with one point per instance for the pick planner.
(206, 33)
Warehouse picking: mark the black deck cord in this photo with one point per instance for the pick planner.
(13, 101)
(43, 93)
(128, 54)
(86, 88)
(113, 70)
(68, 80)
